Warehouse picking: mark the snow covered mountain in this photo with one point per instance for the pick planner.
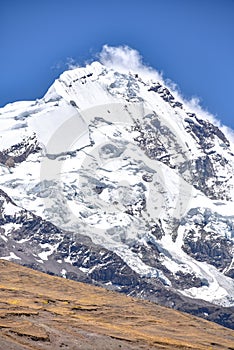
(112, 179)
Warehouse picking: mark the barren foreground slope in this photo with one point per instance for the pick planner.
(39, 311)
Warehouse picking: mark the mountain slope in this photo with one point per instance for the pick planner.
(119, 183)
(43, 312)
(30, 241)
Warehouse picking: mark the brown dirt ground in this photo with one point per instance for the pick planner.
(41, 312)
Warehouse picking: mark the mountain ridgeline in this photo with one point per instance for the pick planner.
(111, 179)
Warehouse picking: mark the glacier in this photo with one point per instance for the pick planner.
(119, 158)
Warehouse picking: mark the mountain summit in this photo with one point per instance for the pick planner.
(111, 178)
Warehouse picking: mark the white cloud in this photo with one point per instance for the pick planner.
(125, 59)
(194, 105)
(71, 63)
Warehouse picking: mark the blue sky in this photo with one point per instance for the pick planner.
(190, 41)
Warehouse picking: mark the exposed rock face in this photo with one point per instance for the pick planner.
(19, 152)
(40, 245)
(110, 180)
(202, 241)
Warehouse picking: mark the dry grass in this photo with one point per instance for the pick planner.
(39, 311)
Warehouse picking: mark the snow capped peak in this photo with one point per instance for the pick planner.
(113, 153)
(112, 62)
(69, 76)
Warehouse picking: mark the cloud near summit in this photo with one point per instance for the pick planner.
(125, 59)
